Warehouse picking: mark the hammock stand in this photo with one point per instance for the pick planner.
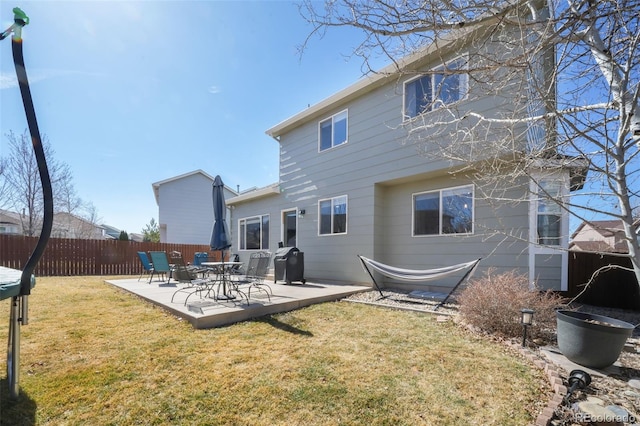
(412, 275)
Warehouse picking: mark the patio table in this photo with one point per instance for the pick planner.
(221, 270)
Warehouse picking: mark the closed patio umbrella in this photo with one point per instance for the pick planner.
(219, 235)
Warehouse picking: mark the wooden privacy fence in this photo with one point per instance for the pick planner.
(67, 257)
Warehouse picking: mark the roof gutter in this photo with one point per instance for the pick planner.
(273, 189)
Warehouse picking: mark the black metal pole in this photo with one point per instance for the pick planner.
(20, 20)
(47, 192)
(19, 307)
(364, 265)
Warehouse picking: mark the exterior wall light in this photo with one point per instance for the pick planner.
(301, 213)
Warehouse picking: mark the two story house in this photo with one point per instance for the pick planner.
(350, 183)
(601, 236)
(185, 207)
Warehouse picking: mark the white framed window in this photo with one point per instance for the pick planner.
(8, 229)
(443, 212)
(332, 131)
(549, 212)
(253, 233)
(549, 228)
(333, 216)
(443, 86)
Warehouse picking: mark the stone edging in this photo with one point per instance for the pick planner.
(555, 381)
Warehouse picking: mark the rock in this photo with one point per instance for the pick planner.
(596, 414)
(631, 394)
(621, 413)
(594, 400)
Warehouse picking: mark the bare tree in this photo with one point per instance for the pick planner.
(23, 187)
(89, 213)
(3, 184)
(82, 224)
(563, 76)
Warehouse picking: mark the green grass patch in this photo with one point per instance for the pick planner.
(93, 354)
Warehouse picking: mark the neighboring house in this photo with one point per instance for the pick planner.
(134, 236)
(600, 236)
(350, 184)
(110, 232)
(10, 223)
(65, 225)
(185, 208)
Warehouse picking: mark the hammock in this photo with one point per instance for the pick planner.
(412, 275)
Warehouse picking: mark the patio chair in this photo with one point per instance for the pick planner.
(199, 257)
(160, 264)
(147, 266)
(176, 257)
(256, 273)
(183, 275)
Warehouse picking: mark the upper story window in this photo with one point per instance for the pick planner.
(447, 211)
(443, 86)
(333, 131)
(333, 215)
(254, 233)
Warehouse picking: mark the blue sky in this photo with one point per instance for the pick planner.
(130, 93)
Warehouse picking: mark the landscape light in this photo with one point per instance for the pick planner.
(526, 320)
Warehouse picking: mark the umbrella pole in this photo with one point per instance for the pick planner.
(224, 277)
(225, 296)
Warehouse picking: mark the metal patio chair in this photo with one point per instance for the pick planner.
(147, 266)
(184, 275)
(160, 264)
(256, 272)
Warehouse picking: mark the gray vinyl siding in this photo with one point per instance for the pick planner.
(378, 169)
(270, 205)
(186, 209)
(546, 273)
(488, 241)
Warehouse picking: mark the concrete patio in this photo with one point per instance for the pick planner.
(204, 312)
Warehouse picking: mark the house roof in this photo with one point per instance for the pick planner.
(156, 185)
(253, 194)
(606, 228)
(591, 246)
(9, 217)
(411, 62)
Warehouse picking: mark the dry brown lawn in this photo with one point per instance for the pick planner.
(95, 355)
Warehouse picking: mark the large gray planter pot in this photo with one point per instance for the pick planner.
(591, 340)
